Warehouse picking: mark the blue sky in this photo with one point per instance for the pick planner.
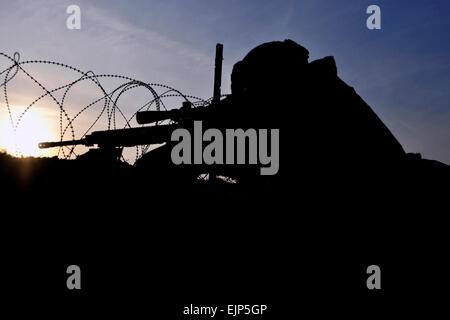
(402, 70)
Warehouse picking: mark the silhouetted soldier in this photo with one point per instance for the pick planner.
(275, 86)
(325, 127)
(328, 134)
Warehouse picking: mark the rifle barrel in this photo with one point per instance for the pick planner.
(120, 137)
(46, 145)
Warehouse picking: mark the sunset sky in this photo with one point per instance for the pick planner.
(402, 70)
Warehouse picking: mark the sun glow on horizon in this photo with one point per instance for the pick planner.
(33, 128)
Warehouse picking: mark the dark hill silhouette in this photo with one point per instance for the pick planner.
(346, 196)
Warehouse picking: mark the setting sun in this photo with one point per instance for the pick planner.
(33, 128)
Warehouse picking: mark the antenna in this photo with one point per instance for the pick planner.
(218, 73)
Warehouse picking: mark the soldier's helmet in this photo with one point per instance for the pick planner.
(266, 65)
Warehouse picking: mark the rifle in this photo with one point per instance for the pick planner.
(156, 134)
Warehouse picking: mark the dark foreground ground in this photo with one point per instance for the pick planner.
(150, 247)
